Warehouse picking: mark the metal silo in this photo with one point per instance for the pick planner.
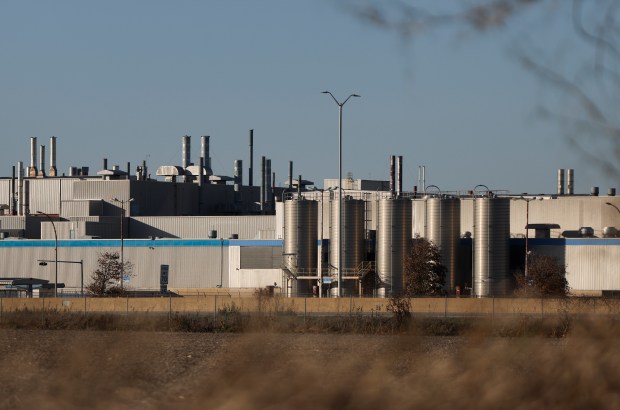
(491, 246)
(393, 244)
(352, 243)
(300, 242)
(443, 226)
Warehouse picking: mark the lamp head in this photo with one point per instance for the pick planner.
(42, 263)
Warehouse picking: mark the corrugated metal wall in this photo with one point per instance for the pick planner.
(260, 257)
(251, 278)
(190, 266)
(247, 227)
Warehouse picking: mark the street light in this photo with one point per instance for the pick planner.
(55, 253)
(340, 104)
(43, 262)
(122, 202)
(527, 229)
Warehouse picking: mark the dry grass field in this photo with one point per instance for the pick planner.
(476, 367)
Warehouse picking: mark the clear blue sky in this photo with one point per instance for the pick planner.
(126, 79)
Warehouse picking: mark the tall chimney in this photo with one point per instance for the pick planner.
(399, 175)
(41, 160)
(251, 170)
(186, 147)
(570, 181)
(32, 170)
(268, 181)
(238, 175)
(262, 185)
(290, 175)
(13, 196)
(128, 170)
(53, 172)
(392, 169)
(20, 188)
(560, 181)
(205, 153)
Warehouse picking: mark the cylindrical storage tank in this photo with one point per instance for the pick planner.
(393, 245)
(443, 228)
(491, 246)
(300, 243)
(352, 243)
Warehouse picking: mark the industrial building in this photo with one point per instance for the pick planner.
(216, 231)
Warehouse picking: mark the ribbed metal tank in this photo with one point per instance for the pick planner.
(491, 246)
(352, 242)
(393, 244)
(300, 242)
(443, 228)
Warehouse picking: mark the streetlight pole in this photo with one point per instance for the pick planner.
(527, 229)
(55, 253)
(43, 262)
(340, 105)
(122, 202)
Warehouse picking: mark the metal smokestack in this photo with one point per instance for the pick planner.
(399, 175)
(20, 188)
(392, 169)
(268, 181)
(186, 148)
(290, 175)
(570, 181)
(53, 172)
(262, 186)
(12, 201)
(32, 170)
(205, 153)
(251, 169)
(560, 181)
(41, 160)
(238, 174)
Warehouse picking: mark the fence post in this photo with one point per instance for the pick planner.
(445, 307)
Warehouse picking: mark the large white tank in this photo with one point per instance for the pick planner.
(393, 245)
(443, 228)
(491, 246)
(352, 242)
(300, 242)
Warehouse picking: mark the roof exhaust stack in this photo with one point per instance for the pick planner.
(290, 175)
(41, 160)
(238, 175)
(399, 175)
(560, 181)
(20, 188)
(570, 181)
(186, 148)
(251, 170)
(53, 172)
(392, 170)
(32, 170)
(263, 181)
(205, 153)
(268, 182)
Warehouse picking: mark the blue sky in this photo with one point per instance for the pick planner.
(126, 79)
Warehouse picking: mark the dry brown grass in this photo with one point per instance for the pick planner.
(519, 362)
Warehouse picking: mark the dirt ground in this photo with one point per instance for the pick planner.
(59, 369)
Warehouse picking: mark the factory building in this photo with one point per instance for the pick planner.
(214, 231)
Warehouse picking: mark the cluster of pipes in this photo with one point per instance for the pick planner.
(268, 178)
(20, 193)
